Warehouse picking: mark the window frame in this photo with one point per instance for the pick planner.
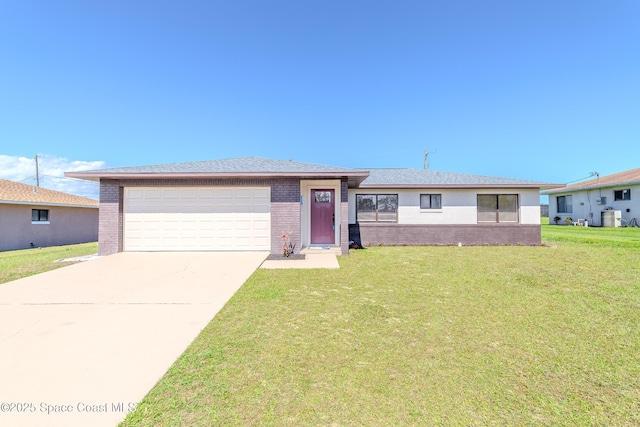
(568, 207)
(499, 218)
(431, 198)
(39, 218)
(377, 210)
(622, 193)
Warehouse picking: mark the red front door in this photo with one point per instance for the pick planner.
(323, 217)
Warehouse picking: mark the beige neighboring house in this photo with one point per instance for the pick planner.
(37, 217)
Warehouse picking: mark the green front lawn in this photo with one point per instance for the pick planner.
(593, 236)
(423, 336)
(27, 262)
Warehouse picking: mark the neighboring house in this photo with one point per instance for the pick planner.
(37, 217)
(544, 210)
(248, 203)
(588, 199)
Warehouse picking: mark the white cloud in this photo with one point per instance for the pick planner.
(51, 170)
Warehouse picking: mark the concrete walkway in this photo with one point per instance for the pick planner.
(310, 261)
(318, 257)
(82, 345)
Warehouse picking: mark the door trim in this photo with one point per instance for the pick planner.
(305, 191)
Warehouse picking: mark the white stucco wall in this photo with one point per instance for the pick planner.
(585, 205)
(459, 206)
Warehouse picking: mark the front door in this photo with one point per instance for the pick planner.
(323, 217)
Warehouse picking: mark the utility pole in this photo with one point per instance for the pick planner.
(426, 163)
(37, 173)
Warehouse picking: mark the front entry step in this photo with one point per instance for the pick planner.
(336, 250)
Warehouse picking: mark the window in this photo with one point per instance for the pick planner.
(497, 208)
(430, 201)
(565, 204)
(323, 196)
(376, 208)
(39, 215)
(622, 194)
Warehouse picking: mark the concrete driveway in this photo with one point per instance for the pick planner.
(82, 345)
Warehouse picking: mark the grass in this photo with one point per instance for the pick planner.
(27, 262)
(593, 236)
(423, 336)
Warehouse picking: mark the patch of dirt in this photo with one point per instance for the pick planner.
(279, 257)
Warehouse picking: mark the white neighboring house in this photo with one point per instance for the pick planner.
(587, 200)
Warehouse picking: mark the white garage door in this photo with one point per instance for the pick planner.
(197, 219)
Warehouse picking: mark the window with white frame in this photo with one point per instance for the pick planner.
(497, 208)
(430, 201)
(39, 216)
(376, 208)
(622, 194)
(564, 204)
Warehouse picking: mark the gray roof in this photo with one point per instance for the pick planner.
(431, 178)
(258, 166)
(234, 165)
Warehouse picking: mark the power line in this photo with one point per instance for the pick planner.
(591, 175)
(64, 178)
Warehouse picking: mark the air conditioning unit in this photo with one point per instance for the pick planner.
(611, 218)
(601, 200)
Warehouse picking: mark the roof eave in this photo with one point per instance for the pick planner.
(566, 189)
(426, 185)
(184, 175)
(64, 205)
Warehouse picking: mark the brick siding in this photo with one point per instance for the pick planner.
(285, 217)
(399, 234)
(285, 213)
(285, 191)
(344, 217)
(196, 182)
(110, 218)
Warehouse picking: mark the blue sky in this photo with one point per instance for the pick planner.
(541, 90)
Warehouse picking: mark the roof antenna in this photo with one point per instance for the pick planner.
(426, 161)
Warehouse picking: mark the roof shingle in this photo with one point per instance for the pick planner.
(234, 165)
(428, 177)
(18, 193)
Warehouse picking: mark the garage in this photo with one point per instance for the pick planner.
(197, 218)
